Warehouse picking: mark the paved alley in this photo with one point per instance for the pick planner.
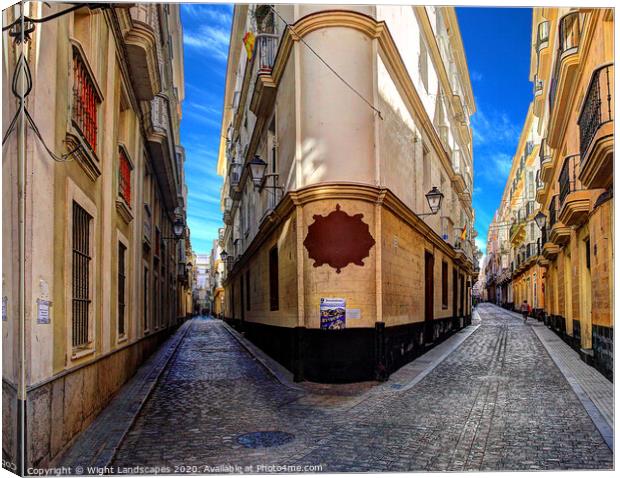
(498, 402)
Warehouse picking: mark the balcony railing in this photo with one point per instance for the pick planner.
(529, 147)
(544, 153)
(267, 49)
(568, 181)
(539, 182)
(598, 107)
(529, 208)
(569, 35)
(552, 211)
(538, 86)
(543, 35)
(569, 32)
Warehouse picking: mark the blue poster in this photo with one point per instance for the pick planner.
(333, 314)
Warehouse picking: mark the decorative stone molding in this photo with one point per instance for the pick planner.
(142, 52)
(338, 239)
(85, 156)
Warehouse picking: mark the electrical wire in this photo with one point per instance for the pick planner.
(292, 30)
(22, 66)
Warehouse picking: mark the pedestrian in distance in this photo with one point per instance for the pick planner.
(525, 310)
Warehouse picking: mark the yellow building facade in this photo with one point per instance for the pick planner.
(515, 240)
(339, 216)
(572, 65)
(104, 279)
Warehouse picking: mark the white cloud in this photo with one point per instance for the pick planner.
(493, 167)
(208, 12)
(494, 127)
(212, 40)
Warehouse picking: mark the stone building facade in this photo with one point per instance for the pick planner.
(515, 241)
(104, 276)
(564, 269)
(201, 284)
(340, 211)
(217, 276)
(573, 72)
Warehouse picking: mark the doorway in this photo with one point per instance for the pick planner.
(429, 292)
(455, 291)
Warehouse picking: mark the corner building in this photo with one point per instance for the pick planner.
(105, 277)
(338, 213)
(573, 72)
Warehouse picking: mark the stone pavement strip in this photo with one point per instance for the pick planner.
(595, 392)
(496, 402)
(96, 445)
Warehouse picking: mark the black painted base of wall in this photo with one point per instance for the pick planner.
(603, 348)
(348, 355)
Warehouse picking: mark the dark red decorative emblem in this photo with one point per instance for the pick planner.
(338, 239)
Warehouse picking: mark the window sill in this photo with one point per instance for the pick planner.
(81, 353)
(124, 210)
(122, 339)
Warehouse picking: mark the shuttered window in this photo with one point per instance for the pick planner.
(81, 276)
(85, 101)
(124, 177)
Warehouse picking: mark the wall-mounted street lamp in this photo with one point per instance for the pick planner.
(434, 198)
(541, 220)
(257, 170)
(178, 229)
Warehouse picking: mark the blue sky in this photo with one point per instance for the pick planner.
(206, 32)
(497, 48)
(497, 45)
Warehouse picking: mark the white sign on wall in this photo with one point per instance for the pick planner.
(43, 314)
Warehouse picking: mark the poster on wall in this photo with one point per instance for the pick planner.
(333, 314)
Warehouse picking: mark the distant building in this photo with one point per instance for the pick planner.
(326, 194)
(202, 284)
(515, 240)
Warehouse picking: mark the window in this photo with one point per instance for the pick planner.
(444, 285)
(145, 298)
(121, 288)
(124, 176)
(247, 289)
(274, 299)
(423, 63)
(85, 100)
(587, 243)
(81, 276)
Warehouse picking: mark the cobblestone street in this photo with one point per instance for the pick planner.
(498, 402)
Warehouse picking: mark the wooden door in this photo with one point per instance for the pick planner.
(429, 292)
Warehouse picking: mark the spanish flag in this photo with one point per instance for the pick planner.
(248, 41)
(464, 233)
